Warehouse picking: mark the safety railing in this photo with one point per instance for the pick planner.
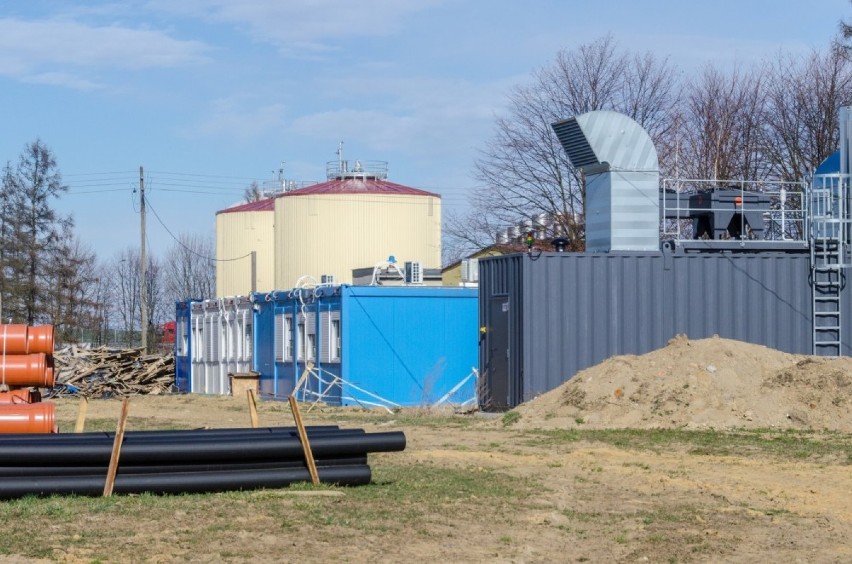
(758, 211)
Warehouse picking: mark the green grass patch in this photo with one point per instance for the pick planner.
(133, 423)
(510, 418)
(796, 445)
(400, 498)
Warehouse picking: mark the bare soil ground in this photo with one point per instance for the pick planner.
(708, 383)
(550, 482)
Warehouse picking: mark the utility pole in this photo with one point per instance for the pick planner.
(253, 272)
(143, 286)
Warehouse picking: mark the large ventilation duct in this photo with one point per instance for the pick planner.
(622, 180)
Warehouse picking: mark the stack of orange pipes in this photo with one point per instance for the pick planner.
(26, 364)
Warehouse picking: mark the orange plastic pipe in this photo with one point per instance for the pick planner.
(24, 339)
(14, 339)
(40, 339)
(28, 418)
(26, 370)
(21, 395)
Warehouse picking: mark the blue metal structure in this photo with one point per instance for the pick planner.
(183, 347)
(369, 345)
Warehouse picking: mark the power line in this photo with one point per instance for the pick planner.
(204, 175)
(179, 242)
(95, 191)
(121, 172)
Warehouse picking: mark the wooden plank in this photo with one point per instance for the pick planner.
(308, 367)
(81, 414)
(303, 436)
(116, 449)
(252, 401)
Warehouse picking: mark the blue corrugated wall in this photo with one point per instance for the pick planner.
(183, 367)
(408, 345)
(263, 354)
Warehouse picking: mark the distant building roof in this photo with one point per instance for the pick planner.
(358, 186)
(267, 204)
(491, 250)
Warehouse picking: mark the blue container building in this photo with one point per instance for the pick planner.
(367, 345)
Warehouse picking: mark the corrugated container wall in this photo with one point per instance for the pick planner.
(183, 346)
(238, 233)
(219, 341)
(369, 345)
(333, 234)
(550, 316)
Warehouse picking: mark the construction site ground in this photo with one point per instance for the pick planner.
(703, 451)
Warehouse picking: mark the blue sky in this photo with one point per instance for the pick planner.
(210, 94)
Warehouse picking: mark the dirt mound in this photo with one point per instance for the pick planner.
(708, 383)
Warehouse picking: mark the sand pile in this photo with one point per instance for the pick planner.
(708, 383)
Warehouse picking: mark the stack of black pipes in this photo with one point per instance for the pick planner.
(191, 461)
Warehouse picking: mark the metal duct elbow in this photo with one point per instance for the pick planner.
(603, 140)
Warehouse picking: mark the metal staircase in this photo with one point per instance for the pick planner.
(829, 234)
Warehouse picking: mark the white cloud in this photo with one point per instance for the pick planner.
(302, 24)
(62, 79)
(54, 49)
(237, 119)
(430, 118)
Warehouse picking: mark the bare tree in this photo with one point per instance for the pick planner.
(253, 192)
(523, 169)
(125, 282)
(188, 270)
(845, 33)
(73, 278)
(801, 114)
(720, 127)
(158, 311)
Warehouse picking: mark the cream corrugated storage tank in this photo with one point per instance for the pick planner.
(239, 231)
(354, 220)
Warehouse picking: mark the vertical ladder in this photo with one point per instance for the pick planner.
(829, 225)
(827, 282)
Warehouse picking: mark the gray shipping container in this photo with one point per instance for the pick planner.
(544, 317)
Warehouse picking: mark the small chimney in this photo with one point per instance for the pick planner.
(559, 244)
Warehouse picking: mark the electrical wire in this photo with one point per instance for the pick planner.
(179, 242)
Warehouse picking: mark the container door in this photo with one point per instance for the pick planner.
(497, 367)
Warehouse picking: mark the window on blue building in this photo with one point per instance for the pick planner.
(288, 337)
(334, 340)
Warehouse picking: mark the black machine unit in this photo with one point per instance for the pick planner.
(727, 213)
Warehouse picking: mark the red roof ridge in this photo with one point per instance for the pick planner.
(267, 204)
(359, 186)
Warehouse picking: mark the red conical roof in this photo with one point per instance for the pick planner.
(358, 186)
(267, 204)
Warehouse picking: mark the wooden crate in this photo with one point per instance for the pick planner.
(242, 381)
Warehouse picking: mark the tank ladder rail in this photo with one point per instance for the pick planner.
(829, 261)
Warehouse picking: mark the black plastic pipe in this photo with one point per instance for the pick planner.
(181, 482)
(101, 470)
(188, 451)
(232, 439)
(154, 435)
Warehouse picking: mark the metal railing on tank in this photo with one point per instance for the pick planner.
(747, 213)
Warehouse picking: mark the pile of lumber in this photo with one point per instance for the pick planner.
(107, 372)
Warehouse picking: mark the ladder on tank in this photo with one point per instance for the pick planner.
(829, 260)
